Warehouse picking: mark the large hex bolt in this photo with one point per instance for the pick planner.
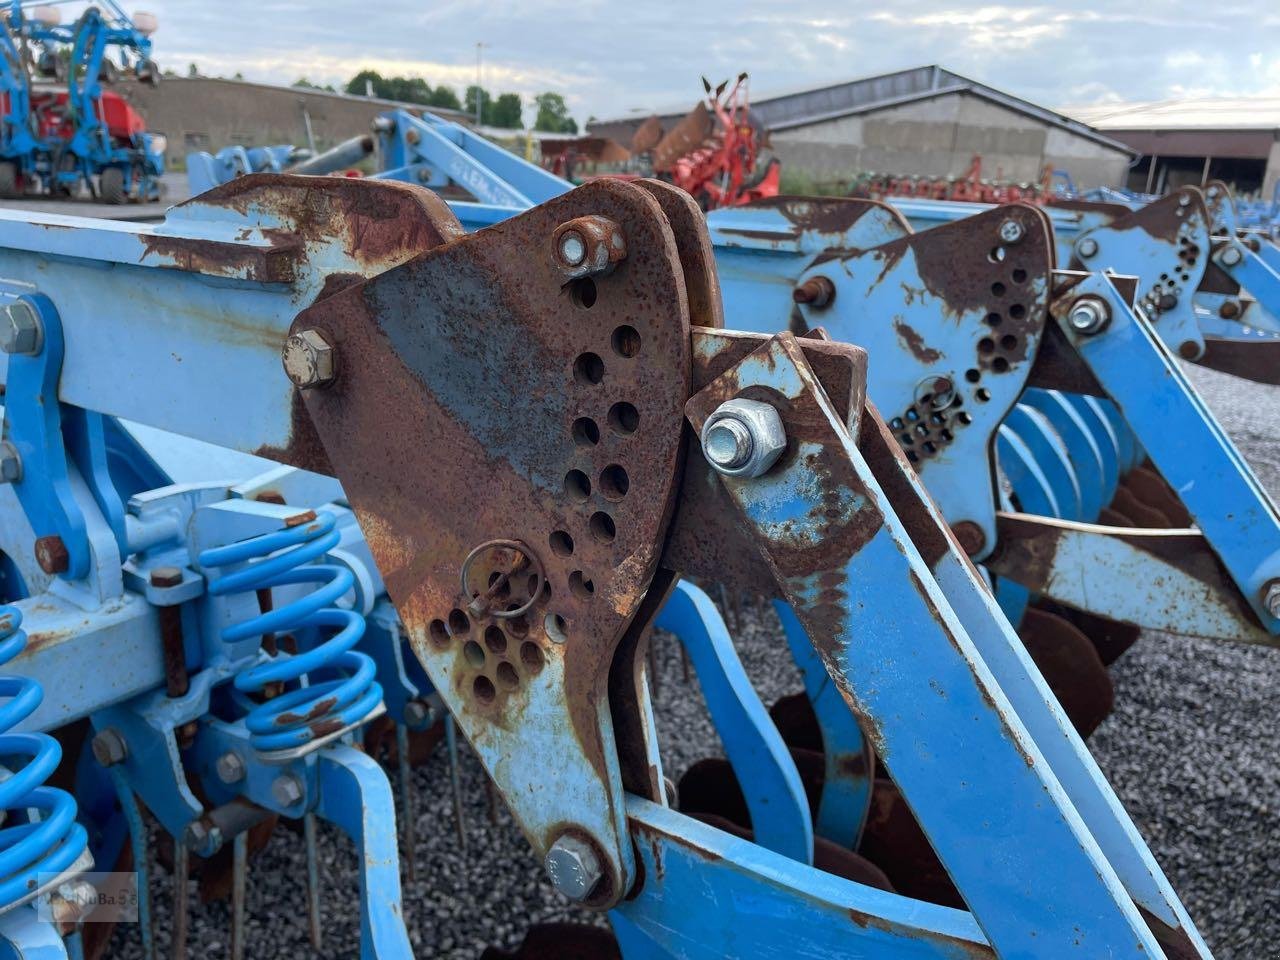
(817, 292)
(1089, 315)
(1271, 597)
(1088, 247)
(109, 747)
(743, 438)
(230, 768)
(1011, 231)
(1231, 256)
(10, 463)
(21, 333)
(52, 555)
(309, 359)
(205, 839)
(287, 790)
(588, 246)
(574, 868)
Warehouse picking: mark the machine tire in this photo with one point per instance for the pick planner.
(111, 185)
(8, 178)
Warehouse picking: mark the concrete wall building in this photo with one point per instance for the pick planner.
(1236, 139)
(927, 121)
(204, 113)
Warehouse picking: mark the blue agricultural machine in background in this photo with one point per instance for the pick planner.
(63, 128)
(320, 461)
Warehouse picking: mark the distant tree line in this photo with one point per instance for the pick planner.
(504, 111)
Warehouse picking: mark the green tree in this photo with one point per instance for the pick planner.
(359, 84)
(193, 70)
(305, 84)
(553, 114)
(469, 102)
(445, 97)
(506, 112)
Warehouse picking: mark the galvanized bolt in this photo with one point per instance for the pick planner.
(230, 768)
(1184, 200)
(204, 839)
(1088, 247)
(166, 577)
(743, 438)
(817, 292)
(52, 555)
(574, 868)
(287, 790)
(21, 333)
(109, 747)
(417, 714)
(589, 246)
(1011, 231)
(1231, 256)
(1271, 598)
(10, 463)
(308, 359)
(1089, 315)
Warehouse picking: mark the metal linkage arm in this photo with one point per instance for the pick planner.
(1179, 434)
(909, 670)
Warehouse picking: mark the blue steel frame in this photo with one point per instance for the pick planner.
(986, 700)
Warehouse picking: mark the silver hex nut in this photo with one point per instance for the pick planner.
(743, 438)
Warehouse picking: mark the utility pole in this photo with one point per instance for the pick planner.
(479, 89)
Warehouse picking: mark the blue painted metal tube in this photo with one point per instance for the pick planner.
(768, 777)
(847, 760)
(966, 765)
(356, 797)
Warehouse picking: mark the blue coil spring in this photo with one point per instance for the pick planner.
(304, 712)
(30, 846)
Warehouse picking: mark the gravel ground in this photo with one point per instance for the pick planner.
(1191, 749)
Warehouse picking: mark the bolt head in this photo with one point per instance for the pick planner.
(574, 868)
(1011, 231)
(230, 768)
(1089, 315)
(573, 249)
(10, 463)
(1088, 247)
(1271, 598)
(743, 438)
(204, 839)
(589, 246)
(21, 333)
(166, 577)
(1231, 256)
(287, 790)
(109, 747)
(52, 555)
(309, 359)
(417, 714)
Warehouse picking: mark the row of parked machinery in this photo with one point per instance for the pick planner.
(63, 128)
(318, 455)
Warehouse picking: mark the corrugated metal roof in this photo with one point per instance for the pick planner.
(1201, 113)
(796, 108)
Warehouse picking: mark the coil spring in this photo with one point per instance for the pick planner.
(312, 710)
(30, 847)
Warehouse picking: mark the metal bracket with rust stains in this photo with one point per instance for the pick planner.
(483, 390)
(909, 670)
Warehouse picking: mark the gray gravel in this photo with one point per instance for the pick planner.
(1192, 750)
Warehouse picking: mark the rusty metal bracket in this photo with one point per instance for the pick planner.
(480, 395)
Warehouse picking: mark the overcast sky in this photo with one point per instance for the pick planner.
(609, 58)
